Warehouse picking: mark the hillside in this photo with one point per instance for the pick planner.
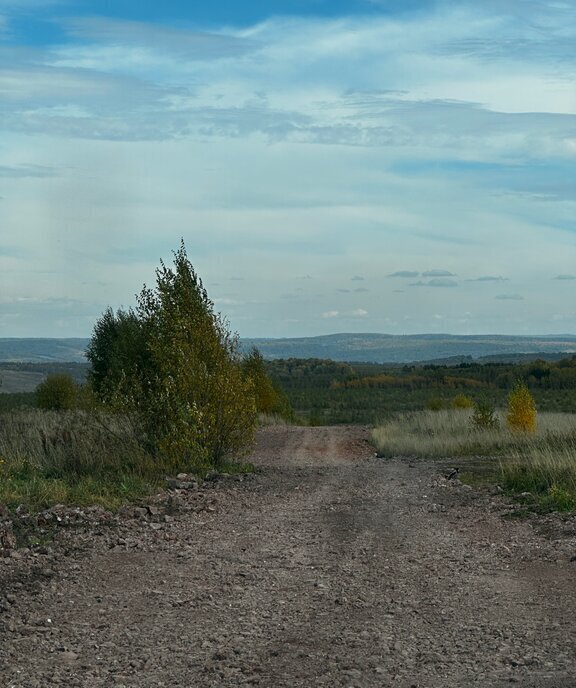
(383, 348)
(370, 347)
(43, 350)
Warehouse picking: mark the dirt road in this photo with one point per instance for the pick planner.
(329, 568)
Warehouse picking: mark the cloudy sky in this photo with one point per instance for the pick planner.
(394, 166)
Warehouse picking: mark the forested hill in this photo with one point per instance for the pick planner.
(383, 348)
(374, 348)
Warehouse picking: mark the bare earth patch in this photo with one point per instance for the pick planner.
(329, 568)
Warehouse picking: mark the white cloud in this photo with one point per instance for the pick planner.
(297, 147)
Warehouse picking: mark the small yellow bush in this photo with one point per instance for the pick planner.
(521, 409)
(461, 401)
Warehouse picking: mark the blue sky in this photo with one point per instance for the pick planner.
(360, 165)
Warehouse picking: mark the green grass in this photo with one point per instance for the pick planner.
(547, 472)
(542, 463)
(77, 458)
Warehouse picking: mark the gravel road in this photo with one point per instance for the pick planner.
(329, 567)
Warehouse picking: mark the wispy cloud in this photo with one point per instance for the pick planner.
(404, 273)
(19, 171)
(188, 44)
(565, 277)
(438, 273)
(509, 297)
(488, 278)
(436, 282)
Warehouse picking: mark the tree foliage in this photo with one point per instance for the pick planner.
(269, 400)
(521, 409)
(58, 392)
(172, 364)
(484, 416)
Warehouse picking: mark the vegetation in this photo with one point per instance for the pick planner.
(58, 392)
(484, 416)
(70, 457)
(330, 392)
(542, 462)
(270, 400)
(521, 409)
(171, 392)
(167, 391)
(547, 472)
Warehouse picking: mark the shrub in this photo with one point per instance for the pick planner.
(521, 415)
(58, 392)
(269, 400)
(173, 367)
(435, 404)
(461, 401)
(484, 416)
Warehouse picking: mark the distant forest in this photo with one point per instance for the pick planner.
(322, 391)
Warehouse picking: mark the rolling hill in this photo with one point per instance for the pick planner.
(370, 347)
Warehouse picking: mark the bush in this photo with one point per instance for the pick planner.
(435, 404)
(269, 400)
(461, 401)
(521, 409)
(58, 392)
(484, 416)
(173, 367)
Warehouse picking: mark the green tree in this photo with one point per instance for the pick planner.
(269, 399)
(58, 392)
(484, 416)
(118, 353)
(174, 367)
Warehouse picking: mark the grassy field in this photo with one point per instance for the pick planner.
(542, 463)
(81, 458)
(77, 458)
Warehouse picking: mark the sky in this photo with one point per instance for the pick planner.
(395, 166)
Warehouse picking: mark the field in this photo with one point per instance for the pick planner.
(77, 457)
(540, 466)
(327, 392)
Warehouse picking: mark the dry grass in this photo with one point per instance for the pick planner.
(451, 433)
(79, 458)
(542, 463)
(70, 457)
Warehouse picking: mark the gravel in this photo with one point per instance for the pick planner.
(329, 567)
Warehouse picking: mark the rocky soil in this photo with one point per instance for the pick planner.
(330, 567)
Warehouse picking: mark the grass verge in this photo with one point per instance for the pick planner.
(542, 463)
(77, 458)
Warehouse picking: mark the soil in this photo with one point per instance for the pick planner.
(329, 567)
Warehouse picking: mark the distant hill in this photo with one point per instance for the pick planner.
(373, 348)
(43, 350)
(383, 348)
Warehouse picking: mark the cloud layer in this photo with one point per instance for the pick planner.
(379, 146)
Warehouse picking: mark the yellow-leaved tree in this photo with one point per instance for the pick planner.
(522, 412)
